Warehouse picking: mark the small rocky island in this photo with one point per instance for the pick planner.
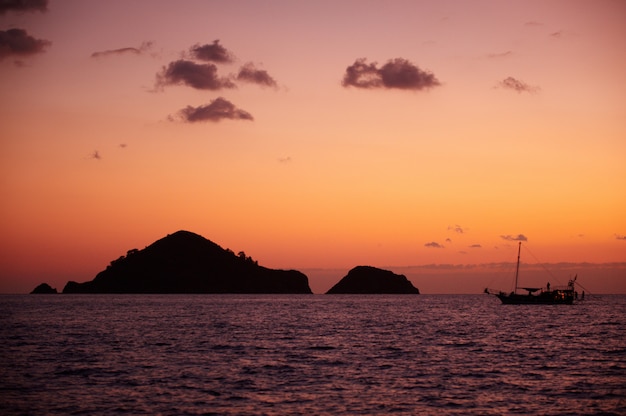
(185, 262)
(371, 280)
(44, 289)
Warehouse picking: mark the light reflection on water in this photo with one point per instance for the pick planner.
(309, 354)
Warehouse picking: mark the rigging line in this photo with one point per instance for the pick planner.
(513, 268)
(504, 270)
(551, 274)
(543, 265)
(581, 286)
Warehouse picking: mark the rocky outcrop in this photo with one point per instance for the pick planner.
(371, 280)
(185, 262)
(44, 289)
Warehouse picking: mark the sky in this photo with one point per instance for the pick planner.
(424, 137)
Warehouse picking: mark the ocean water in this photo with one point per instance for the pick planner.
(310, 354)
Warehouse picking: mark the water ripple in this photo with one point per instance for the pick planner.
(277, 355)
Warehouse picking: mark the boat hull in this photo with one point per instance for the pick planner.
(545, 298)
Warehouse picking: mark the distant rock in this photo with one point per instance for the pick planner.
(371, 280)
(44, 289)
(185, 262)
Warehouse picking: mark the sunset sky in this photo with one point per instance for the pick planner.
(315, 135)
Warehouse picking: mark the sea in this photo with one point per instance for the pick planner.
(310, 355)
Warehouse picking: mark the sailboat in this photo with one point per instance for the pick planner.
(564, 295)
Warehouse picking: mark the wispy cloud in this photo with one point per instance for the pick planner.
(249, 73)
(216, 110)
(533, 23)
(475, 246)
(212, 52)
(23, 6)
(433, 244)
(199, 76)
(620, 237)
(511, 83)
(519, 237)
(499, 55)
(556, 34)
(456, 228)
(397, 73)
(143, 48)
(17, 42)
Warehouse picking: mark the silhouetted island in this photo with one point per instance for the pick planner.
(44, 289)
(185, 262)
(371, 280)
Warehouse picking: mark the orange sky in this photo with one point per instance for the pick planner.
(466, 122)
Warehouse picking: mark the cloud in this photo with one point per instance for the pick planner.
(517, 85)
(286, 159)
(433, 245)
(499, 55)
(620, 237)
(519, 237)
(124, 51)
(199, 76)
(396, 73)
(457, 229)
(533, 23)
(557, 34)
(362, 75)
(216, 110)
(400, 73)
(23, 6)
(211, 53)
(17, 42)
(249, 73)
(475, 246)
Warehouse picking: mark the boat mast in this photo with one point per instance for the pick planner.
(519, 249)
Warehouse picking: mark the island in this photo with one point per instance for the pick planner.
(185, 262)
(44, 289)
(371, 280)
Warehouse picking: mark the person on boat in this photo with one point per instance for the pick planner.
(548, 286)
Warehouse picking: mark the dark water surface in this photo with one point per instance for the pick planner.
(309, 354)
